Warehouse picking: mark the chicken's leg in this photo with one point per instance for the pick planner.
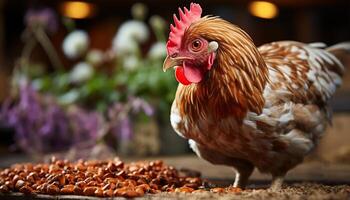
(277, 181)
(243, 167)
(243, 172)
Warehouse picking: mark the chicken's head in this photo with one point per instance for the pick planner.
(192, 55)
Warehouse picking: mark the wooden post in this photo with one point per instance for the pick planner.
(4, 80)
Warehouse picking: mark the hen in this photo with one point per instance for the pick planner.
(247, 107)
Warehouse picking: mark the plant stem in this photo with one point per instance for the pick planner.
(28, 48)
(48, 47)
(160, 35)
(24, 59)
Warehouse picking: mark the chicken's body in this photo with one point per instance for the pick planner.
(261, 107)
(294, 116)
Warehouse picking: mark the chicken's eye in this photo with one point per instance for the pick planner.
(196, 45)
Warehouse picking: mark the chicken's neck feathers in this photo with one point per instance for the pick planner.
(237, 80)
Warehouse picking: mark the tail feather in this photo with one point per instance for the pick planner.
(342, 52)
(343, 46)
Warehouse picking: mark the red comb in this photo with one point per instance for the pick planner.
(187, 17)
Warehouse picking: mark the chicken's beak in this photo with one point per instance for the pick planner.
(170, 62)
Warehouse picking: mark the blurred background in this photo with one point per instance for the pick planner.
(83, 79)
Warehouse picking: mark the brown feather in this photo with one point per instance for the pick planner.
(238, 77)
(263, 107)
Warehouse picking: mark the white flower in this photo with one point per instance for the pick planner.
(81, 72)
(129, 35)
(157, 51)
(130, 63)
(69, 97)
(75, 44)
(95, 57)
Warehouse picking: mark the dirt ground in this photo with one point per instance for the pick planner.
(295, 191)
(299, 191)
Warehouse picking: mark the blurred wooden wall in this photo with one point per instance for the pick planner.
(4, 75)
(302, 20)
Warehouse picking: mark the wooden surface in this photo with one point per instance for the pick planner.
(327, 172)
(328, 181)
(311, 171)
(308, 171)
(294, 192)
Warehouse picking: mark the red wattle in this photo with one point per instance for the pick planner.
(180, 76)
(192, 73)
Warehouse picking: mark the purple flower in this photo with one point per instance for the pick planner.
(125, 130)
(139, 105)
(122, 129)
(86, 126)
(115, 110)
(41, 125)
(120, 115)
(45, 17)
(119, 121)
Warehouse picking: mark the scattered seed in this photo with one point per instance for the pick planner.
(96, 178)
(217, 190)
